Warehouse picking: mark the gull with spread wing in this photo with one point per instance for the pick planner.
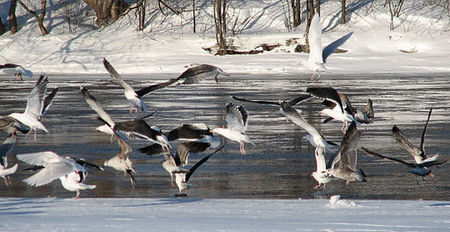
(237, 122)
(318, 56)
(135, 97)
(51, 166)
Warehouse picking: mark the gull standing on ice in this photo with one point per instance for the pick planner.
(318, 56)
(14, 69)
(348, 158)
(52, 166)
(199, 72)
(36, 107)
(5, 149)
(135, 97)
(237, 121)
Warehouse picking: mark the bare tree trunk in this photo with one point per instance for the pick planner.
(193, 15)
(2, 27)
(12, 17)
(309, 16)
(220, 22)
(141, 14)
(39, 17)
(296, 13)
(107, 11)
(343, 12)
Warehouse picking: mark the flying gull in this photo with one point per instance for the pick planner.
(135, 97)
(318, 56)
(338, 105)
(237, 121)
(182, 176)
(37, 105)
(199, 72)
(51, 166)
(138, 127)
(122, 162)
(5, 149)
(191, 138)
(347, 158)
(419, 154)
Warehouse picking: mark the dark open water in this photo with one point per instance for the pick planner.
(280, 165)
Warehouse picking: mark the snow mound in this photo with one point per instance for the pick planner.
(336, 202)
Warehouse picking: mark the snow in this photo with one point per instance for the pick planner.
(164, 214)
(165, 47)
(168, 44)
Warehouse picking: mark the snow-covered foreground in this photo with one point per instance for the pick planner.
(172, 214)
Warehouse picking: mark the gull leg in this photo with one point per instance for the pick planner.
(6, 180)
(77, 196)
(242, 148)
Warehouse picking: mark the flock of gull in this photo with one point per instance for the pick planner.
(176, 145)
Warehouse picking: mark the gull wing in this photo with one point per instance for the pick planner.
(294, 115)
(49, 173)
(237, 117)
(125, 148)
(320, 159)
(330, 48)
(348, 151)
(95, 105)
(256, 101)
(41, 158)
(6, 148)
(315, 40)
(193, 168)
(326, 93)
(405, 144)
(367, 151)
(35, 100)
(154, 149)
(154, 87)
(48, 102)
(422, 140)
(299, 99)
(196, 74)
(368, 109)
(116, 76)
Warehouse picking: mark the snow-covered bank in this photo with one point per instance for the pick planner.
(172, 214)
(168, 44)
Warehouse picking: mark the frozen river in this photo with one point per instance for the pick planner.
(280, 165)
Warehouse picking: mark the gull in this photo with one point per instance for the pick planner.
(420, 169)
(182, 176)
(17, 70)
(420, 155)
(237, 121)
(5, 149)
(135, 97)
(122, 162)
(339, 105)
(138, 127)
(347, 158)
(36, 107)
(314, 137)
(199, 72)
(321, 175)
(52, 166)
(318, 56)
(192, 138)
